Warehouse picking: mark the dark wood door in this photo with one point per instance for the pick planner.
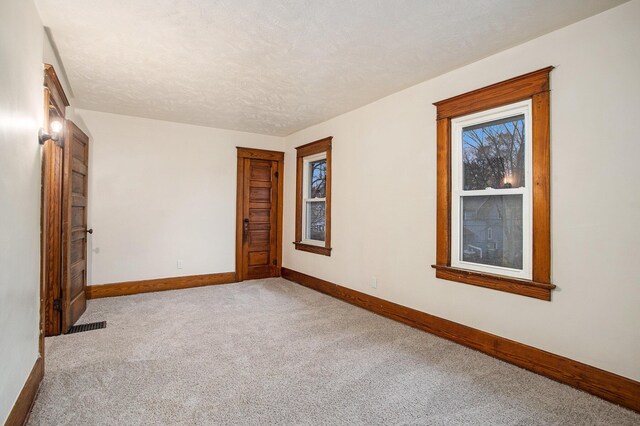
(74, 224)
(260, 213)
(260, 209)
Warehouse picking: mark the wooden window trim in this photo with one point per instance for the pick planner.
(316, 147)
(534, 86)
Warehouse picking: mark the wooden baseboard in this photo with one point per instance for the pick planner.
(601, 383)
(161, 284)
(20, 412)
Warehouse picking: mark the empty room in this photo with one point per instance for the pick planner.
(298, 212)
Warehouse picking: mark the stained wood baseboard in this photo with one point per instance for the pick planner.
(20, 412)
(601, 383)
(160, 284)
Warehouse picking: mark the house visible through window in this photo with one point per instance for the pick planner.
(493, 204)
(313, 203)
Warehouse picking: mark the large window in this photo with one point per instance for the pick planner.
(493, 187)
(313, 203)
(491, 190)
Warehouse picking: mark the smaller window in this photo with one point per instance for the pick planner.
(313, 202)
(314, 216)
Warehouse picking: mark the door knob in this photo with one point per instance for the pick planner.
(89, 231)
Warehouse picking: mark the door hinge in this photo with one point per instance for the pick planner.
(57, 304)
(276, 174)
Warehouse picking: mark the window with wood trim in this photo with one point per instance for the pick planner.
(313, 197)
(493, 206)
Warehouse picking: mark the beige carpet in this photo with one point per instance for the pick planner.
(272, 352)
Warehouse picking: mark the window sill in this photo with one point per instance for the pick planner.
(325, 251)
(527, 288)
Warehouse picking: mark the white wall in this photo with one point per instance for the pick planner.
(50, 57)
(160, 192)
(384, 197)
(21, 106)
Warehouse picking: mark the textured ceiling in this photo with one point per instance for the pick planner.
(276, 66)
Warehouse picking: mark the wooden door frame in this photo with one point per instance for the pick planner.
(54, 100)
(257, 154)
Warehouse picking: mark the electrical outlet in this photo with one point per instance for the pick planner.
(374, 282)
(179, 264)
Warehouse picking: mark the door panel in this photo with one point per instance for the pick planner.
(77, 182)
(77, 216)
(260, 194)
(260, 229)
(260, 171)
(77, 251)
(259, 214)
(74, 224)
(258, 258)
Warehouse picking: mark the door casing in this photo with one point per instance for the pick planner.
(258, 154)
(55, 102)
(55, 245)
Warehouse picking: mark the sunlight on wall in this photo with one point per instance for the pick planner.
(11, 123)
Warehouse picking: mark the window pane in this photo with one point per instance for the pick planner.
(316, 220)
(493, 154)
(492, 230)
(318, 179)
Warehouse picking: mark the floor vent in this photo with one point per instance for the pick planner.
(87, 327)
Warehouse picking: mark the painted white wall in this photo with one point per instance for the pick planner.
(21, 109)
(50, 57)
(384, 197)
(160, 192)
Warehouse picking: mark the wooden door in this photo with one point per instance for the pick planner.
(74, 224)
(259, 213)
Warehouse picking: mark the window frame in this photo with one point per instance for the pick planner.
(312, 151)
(457, 191)
(306, 161)
(535, 87)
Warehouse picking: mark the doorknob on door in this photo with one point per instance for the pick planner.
(89, 231)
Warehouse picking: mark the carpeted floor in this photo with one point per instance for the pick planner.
(273, 352)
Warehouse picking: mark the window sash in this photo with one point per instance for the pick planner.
(457, 191)
(306, 190)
